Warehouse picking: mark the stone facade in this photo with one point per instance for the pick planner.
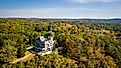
(43, 45)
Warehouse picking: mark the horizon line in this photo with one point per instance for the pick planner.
(61, 17)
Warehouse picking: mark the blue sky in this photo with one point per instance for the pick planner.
(61, 8)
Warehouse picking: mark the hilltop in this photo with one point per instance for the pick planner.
(83, 44)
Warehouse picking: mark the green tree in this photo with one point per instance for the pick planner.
(21, 51)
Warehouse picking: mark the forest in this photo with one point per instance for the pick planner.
(84, 44)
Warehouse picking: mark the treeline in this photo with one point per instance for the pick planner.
(84, 45)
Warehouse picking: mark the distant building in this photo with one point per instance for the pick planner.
(44, 45)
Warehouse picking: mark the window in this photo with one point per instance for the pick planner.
(48, 49)
(47, 45)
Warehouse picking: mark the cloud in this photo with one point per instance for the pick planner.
(89, 1)
(61, 13)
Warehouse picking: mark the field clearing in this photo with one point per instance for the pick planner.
(28, 56)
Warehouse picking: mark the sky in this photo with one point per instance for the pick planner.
(61, 8)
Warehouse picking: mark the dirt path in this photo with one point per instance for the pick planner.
(17, 60)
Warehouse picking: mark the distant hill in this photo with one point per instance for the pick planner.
(101, 20)
(115, 20)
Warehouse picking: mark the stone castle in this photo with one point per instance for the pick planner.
(44, 45)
